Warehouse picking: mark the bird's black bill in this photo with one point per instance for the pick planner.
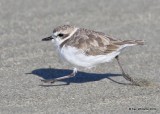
(47, 38)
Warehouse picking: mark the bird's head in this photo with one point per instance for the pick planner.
(61, 33)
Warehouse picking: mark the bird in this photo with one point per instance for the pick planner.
(87, 48)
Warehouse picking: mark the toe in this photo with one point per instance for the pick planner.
(48, 81)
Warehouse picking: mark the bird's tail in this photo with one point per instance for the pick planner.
(136, 42)
(128, 43)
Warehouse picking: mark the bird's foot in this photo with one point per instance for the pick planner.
(127, 77)
(49, 81)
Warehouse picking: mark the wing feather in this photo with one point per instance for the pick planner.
(92, 43)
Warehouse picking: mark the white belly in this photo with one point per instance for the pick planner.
(78, 58)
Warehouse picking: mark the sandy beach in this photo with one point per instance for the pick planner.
(25, 59)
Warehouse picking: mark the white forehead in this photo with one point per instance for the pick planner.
(56, 33)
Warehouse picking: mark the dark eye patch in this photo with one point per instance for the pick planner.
(63, 35)
(60, 35)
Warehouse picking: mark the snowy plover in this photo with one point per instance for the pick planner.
(87, 48)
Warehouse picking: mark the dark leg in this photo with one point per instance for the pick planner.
(61, 78)
(126, 76)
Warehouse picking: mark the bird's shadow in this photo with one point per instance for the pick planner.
(81, 77)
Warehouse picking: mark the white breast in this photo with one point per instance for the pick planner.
(78, 58)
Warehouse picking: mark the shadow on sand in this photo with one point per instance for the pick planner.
(81, 77)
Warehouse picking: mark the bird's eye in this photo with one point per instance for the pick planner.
(60, 35)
